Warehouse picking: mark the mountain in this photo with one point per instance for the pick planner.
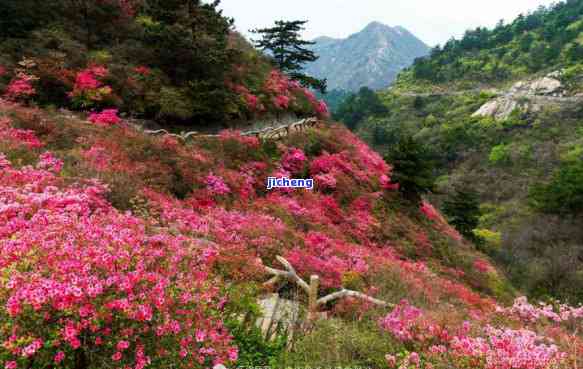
(500, 111)
(372, 57)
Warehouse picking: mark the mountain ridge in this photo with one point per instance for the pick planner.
(362, 59)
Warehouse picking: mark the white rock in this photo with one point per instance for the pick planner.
(546, 86)
(499, 108)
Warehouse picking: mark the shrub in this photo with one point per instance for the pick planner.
(500, 154)
(412, 167)
(564, 193)
(334, 343)
(88, 286)
(107, 117)
(175, 103)
(462, 210)
(21, 88)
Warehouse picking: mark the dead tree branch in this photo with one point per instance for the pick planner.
(312, 288)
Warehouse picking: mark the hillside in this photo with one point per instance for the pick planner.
(370, 58)
(119, 247)
(544, 40)
(128, 247)
(513, 138)
(176, 63)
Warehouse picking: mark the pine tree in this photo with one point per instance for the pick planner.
(462, 210)
(288, 49)
(413, 167)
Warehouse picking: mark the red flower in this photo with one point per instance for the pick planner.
(108, 117)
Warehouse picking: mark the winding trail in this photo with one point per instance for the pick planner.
(267, 133)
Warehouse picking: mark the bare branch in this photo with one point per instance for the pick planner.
(349, 293)
(292, 275)
(289, 274)
(156, 132)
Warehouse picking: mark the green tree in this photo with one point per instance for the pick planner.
(462, 210)
(189, 42)
(563, 195)
(289, 51)
(360, 106)
(19, 17)
(413, 167)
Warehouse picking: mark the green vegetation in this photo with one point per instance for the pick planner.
(412, 167)
(524, 170)
(284, 43)
(546, 38)
(177, 62)
(564, 194)
(462, 210)
(356, 107)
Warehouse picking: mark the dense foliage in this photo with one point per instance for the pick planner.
(356, 107)
(172, 61)
(524, 170)
(462, 210)
(290, 52)
(413, 167)
(547, 37)
(564, 194)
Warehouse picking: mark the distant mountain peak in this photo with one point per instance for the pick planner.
(375, 25)
(372, 57)
(325, 39)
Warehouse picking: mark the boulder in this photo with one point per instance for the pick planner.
(549, 85)
(546, 86)
(499, 108)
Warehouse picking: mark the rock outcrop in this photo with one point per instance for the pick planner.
(527, 96)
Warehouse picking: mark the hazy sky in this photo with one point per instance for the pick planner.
(433, 21)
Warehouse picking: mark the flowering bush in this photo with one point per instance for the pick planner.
(15, 137)
(507, 348)
(401, 321)
(21, 88)
(281, 102)
(529, 313)
(89, 89)
(232, 135)
(143, 70)
(293, 160)
(278, 93)
(85, 283)
(482, 266)
(107, 117)
(216, 185)
(81, 280)
(50, 163)
(492, 348)
(429, 211)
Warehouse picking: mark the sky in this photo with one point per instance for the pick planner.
(433, 21)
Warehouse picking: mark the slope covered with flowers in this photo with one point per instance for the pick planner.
(118, 249)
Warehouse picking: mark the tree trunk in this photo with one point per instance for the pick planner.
(81, 361)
